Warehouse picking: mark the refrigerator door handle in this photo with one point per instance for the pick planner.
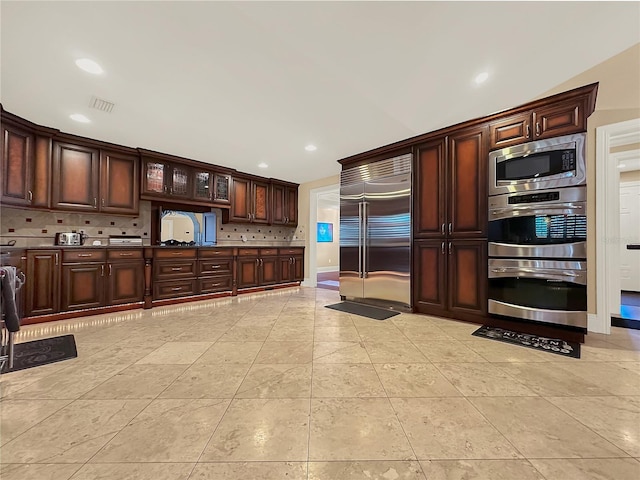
(360, 204)
(365, 228)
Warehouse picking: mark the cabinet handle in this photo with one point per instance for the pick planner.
(290, 261)
(57, 260)
(176, 289)
(126, 254)
(528, 130)
(102, 270)
(216, 284)
(261, 262)
(85, 254)
(449, 248)
(442, 228)
(213, 267)
(176, 253)
(442, 248)
(450, 228)
(95, 202)
(537, 129)
(103, 202)
(30, 196)
(109, 269)
(257, 262)
(176, 269)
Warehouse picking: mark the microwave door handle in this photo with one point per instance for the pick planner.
(533, 209)
(540, 271)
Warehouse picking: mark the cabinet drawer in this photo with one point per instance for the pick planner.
(247, 252)
(268, 251)
(174, 269)
(215, 252)
(217, 266)
(174, 288)
(291, 251)
(215, 284)
(84, 255)
(131, 254)
(174, 253)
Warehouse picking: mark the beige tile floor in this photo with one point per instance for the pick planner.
(275, 386)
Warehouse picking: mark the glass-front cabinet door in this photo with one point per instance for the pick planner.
(180, 181)
(154, 177)
(202, 185)
(222, 184)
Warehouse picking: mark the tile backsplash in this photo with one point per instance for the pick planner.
(35, 228)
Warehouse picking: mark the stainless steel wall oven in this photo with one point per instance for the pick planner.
(538, 232)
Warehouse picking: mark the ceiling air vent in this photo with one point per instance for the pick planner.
(102, 105)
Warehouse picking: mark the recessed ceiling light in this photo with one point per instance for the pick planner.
(78, 117)
(481, 78)
(262, 165)
(310, 148)
(89, 66)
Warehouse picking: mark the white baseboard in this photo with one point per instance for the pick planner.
(331, 268)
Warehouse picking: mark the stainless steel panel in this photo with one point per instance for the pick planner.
(566, 271)
(387, 256)
(351, 198)
(576, 141)
(575, 250)
(558, 317)
(571, 201)
(383, 168)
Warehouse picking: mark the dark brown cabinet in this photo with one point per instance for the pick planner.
(291, 261)
(166, 179)
(258, 267)
(210, 186)
(451, 277)
(125, 276)
(450, 194)
(82, 286)
(546, 121)
(119, 183)
(17, 161)
(215, 270)
(43, 282)
(250, 202)
(174, 272)
(284, 202)
(93, 180)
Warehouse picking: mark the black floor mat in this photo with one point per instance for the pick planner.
(40, 352)
(363, 310)
(544, 344)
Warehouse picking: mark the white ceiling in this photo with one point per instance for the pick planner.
(239, 83)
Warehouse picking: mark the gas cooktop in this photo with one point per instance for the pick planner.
(177, 243)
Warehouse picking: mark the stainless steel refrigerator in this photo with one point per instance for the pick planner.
(375, 232)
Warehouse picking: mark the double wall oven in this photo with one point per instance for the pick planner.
(538, 232)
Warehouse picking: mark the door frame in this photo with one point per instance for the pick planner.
(312, 279)
(608, 218)
(633, 155)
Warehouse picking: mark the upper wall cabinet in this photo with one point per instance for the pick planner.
(284, 203)
(94, 180)
(25, 178)
(211, 186)
(166, 179)
(250, 202)
(543, 122)
(450, 195)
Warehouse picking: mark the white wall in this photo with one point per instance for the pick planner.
(328, 254)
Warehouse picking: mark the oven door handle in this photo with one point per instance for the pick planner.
(551, 274)
(554, 206)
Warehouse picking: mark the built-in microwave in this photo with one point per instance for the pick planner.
(543, 164)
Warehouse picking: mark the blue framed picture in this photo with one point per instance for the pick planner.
(325, 232)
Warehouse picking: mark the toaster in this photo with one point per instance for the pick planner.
(69, 238)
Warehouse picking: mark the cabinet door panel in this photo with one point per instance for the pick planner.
(247, 272)
(82, 286)
(510, 131)
(119, 189)
(291, 203)
(43, 282)
(278, 199)
(17, 159)
(42, 173)
(468, 276)
(76, 177)
(429, 194)
(286, 270)
(240, 196)
(125, 282)
(155, 177)
(560, 119)
(180, 181)
(429, 276)
(215, 284)
(298, 268)
(202, 185)
(468, 183)
(261, 202)
(269, 270)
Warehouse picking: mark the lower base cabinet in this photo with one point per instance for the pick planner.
(43, 282)
(450, 277)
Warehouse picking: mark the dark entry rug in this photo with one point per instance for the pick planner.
(41, 352)
(363, 310)
(553, 345)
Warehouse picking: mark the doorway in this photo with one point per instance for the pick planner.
(327, 235)
(617, 152)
